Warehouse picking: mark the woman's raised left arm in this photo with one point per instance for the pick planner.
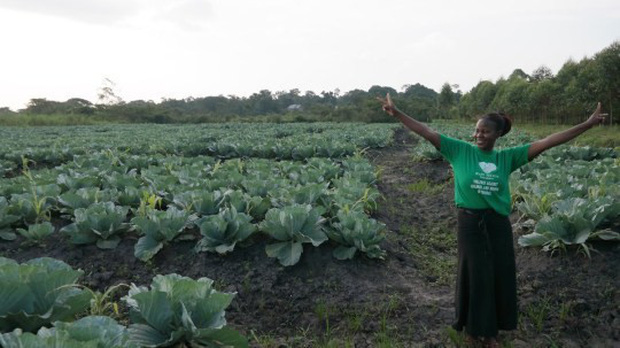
(559, 138)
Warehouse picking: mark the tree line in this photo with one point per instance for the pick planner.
(540, 96)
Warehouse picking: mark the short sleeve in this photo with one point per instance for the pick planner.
(518, 156)
(449, 147)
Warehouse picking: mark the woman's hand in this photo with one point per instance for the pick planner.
(388, 105)
(597, 117)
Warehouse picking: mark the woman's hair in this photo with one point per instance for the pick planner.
(503, 122)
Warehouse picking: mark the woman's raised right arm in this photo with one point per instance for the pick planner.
(417, 127)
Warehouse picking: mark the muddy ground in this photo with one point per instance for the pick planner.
(565, 300)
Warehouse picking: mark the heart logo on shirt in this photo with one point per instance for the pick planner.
(487, 167)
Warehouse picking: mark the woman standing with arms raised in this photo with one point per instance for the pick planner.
(486, 293)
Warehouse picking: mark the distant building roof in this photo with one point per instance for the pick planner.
(294, 107)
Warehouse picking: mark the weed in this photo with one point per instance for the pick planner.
(538, 312)
(263, 341)
(103, 303)
(385, 337)
(356, 319)
(435, 252)
(565, 310)
(457, 338)
(322, 310)
(426, 187)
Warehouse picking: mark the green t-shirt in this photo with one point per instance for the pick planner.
(481, 178)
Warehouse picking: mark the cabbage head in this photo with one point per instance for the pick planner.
(39, 292)
(180, 311)
(291, 226)
(354, 231)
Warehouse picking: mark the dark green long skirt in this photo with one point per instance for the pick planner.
(486, 289)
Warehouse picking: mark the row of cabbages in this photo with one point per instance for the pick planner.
(58, 145)
(39, 301)
(164, 199)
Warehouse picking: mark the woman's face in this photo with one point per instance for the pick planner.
(485, 135)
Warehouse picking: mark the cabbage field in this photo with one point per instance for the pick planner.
(284, 235)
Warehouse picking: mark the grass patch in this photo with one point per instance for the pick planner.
(538, 313)
(426, 187)
(434, 250)
(20, 120)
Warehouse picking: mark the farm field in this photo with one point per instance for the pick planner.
(372, 260)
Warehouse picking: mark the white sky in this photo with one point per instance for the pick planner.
(151, 49)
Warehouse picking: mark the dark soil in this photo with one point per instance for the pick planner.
(406, 300)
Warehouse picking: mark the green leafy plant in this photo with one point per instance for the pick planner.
(573, 222)
(37, 293)
(74, 180)
(292, 226)
(178, 310)
(36, 233)
(236, 199)
(34, 206)
(355, 231)
(223, 231)
(6, 220)
(87, 332)
(100, 223)
(159, 228)
(131, 196)
(102, 303)
(200, 202)
(84, 197)
(258, 207)
(307, 194)
(148, 202)
(349, 193)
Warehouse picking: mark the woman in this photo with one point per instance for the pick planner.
(486, 294)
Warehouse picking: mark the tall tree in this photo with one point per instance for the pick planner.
(608, 77)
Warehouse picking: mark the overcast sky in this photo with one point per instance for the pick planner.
(154, 49)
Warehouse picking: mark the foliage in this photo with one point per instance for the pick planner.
(566, 98)
(350, 194)
(169, 183)
(100, 223)
(37, 293)
(568, 201)
(36, 233)
(180, 310)
(200, 202)
(35, 206)
(6, 220)
(355, 231)
(292, 226)
(87, 332)
(159, 228)
(84, 197)
(573, 221)
(223, 231)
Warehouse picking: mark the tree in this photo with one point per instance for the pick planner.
(519, 74)
(381, 91)
(446, 101)
(512, 97)
(263, 103)
(446, 97)
(607, 66)
(6, 111)
(478, 100)
(541, 73)
(106, 94)
(42, 106)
